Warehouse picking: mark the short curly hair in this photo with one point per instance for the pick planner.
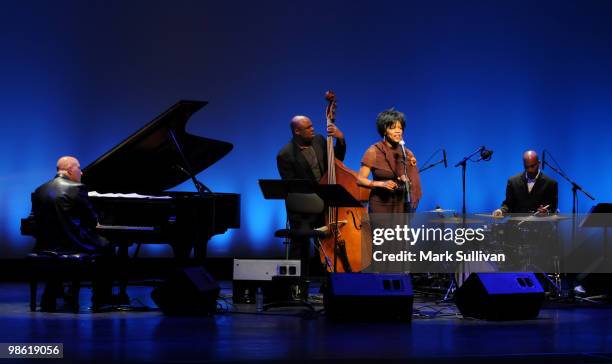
(387, 118)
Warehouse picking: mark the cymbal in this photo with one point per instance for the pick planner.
(491, 216)
(440, 210)
(538, 218)
(456, 220)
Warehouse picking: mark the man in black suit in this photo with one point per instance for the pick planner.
(530, 191)
(66, 223)
(65, 218)
(305, 157)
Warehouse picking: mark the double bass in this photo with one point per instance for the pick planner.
(344, 224)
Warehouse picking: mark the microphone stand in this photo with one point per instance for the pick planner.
(426, 166)
(463, 164)
(575, 187)
(407, 199)
(423, 169)
(565, 283)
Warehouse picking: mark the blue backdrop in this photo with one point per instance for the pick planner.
(79, 76)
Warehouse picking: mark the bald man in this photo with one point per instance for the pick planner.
(65, 219)
(305, 156)
(530, 191)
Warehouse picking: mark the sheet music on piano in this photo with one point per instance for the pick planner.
(102, 228)
(126, 195)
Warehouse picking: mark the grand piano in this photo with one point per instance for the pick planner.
(128, 187)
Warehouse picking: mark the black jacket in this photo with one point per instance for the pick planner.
(292, 164)
(519, 200)
(65, 219)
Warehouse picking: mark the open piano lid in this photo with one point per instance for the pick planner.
(148, 160)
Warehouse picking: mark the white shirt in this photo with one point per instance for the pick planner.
(531, 182)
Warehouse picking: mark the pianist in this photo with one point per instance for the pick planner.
(66, 223)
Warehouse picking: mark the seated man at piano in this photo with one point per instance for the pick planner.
(66, 224)
(530, 191)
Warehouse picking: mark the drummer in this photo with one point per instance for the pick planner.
(530, 191)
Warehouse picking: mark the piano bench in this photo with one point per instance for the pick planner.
(49, 265)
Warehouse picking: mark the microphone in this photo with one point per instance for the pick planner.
(543, 159)
(444, 154)
(485, 154)
(402, 142)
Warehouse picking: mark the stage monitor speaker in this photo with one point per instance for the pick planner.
(187, 292)
(368, 297)
(500, 296)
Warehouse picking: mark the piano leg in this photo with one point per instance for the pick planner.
(199, 248)
(123, 274)
(182, 251)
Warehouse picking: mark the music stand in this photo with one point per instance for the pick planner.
(333, 195)
(278, 189)
(275, 189)
(336, 196)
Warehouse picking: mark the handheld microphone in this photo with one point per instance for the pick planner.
(444, 154)
(543, 159)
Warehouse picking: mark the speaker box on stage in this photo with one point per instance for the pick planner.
(500, 296)
(187, 292)
(368, 297)
(279, 279)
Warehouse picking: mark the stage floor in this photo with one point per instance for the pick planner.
(561, 334)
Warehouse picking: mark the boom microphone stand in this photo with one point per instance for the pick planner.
(575, 187)
(431, 165)
(565, 281)
(485, 155)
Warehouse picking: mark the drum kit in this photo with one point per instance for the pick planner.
(515, 235)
